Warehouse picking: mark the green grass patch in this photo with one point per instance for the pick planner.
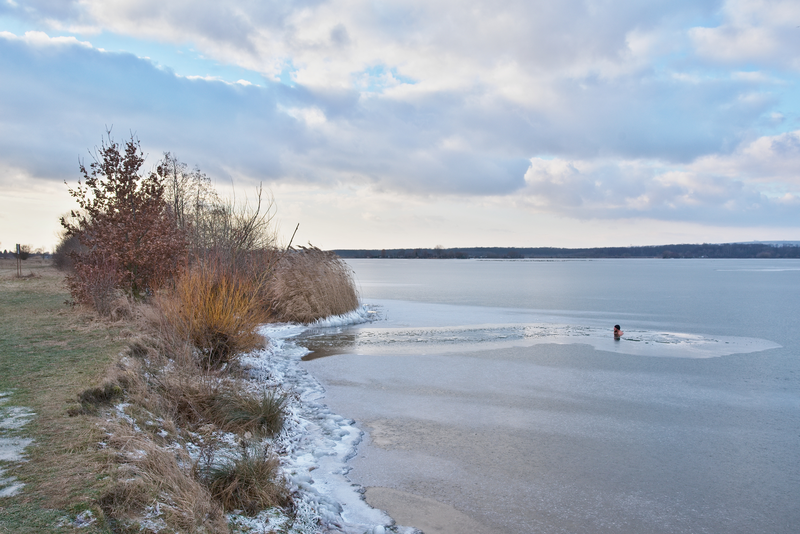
(49, 354)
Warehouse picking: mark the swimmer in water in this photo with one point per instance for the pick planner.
(617, 332)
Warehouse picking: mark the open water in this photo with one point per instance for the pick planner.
(496, 387)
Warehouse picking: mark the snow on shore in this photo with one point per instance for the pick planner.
(315, 444)
(12, 446)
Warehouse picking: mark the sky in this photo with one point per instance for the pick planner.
(417, 123)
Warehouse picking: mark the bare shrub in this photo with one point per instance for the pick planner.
(229, 230)
(217, 309)
(94, 282)
(24, 252)
(309, 284)
(68, 245)
(249, 482)
(214, 225)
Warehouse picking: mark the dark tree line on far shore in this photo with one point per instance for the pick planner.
(725, 250)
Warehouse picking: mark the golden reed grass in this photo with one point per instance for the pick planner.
(217, 309)
(310, 284)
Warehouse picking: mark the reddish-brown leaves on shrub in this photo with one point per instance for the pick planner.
(124, 226)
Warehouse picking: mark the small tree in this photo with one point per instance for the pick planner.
(128, 233)
(24, 252)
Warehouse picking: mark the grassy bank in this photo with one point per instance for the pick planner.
(149, 422)
(48, 353)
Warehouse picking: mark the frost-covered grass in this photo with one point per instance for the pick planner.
(48, 353)
(131, 432)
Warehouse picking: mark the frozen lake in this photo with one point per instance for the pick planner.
(495, 389)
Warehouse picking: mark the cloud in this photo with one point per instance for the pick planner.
(62, 94)
(763, 31)
(444, 44)
(758, 184)
(428, 98)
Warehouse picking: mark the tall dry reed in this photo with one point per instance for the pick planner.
(308, 284)
(216, 308)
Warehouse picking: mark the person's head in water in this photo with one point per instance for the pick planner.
(617, 331)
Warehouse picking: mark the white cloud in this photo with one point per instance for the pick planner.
(428, 98)
(753, 30)
(759, 181)
(41, 39)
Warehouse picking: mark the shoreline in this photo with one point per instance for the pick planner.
(319, 444)
(322, 445)
(316, 443)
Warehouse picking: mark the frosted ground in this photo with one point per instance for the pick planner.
(12, 446)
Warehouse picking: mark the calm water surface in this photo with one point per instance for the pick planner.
(497, 388)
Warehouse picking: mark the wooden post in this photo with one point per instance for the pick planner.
(19, 263)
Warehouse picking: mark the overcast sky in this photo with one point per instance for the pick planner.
(415, 123)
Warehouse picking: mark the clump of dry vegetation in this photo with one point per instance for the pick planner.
(217, 310)
(155, 490)
(196, 276)
(170, 423)
(308, 284)
(248, 481)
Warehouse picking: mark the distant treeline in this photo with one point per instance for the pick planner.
(725, 250)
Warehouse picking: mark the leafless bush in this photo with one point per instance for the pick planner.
(68, 246)
(95, 283)
(25, 252)
(231, 231)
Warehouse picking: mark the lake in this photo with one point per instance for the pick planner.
(494, 395)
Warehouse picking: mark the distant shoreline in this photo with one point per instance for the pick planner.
(783, 249)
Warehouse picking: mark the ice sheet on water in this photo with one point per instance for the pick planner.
(434, 328)
(487, 337)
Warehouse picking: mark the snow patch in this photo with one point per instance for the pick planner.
(362, 314)
(12, 446)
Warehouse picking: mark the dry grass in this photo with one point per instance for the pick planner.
(48, 353)
(157, 483)
(166, 400)
(240, 412)
(309, 284)
(217, 310)
(249, 482)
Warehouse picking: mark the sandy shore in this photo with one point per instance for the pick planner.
(428, 515)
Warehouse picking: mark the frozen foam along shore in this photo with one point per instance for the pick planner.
(315, 444)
